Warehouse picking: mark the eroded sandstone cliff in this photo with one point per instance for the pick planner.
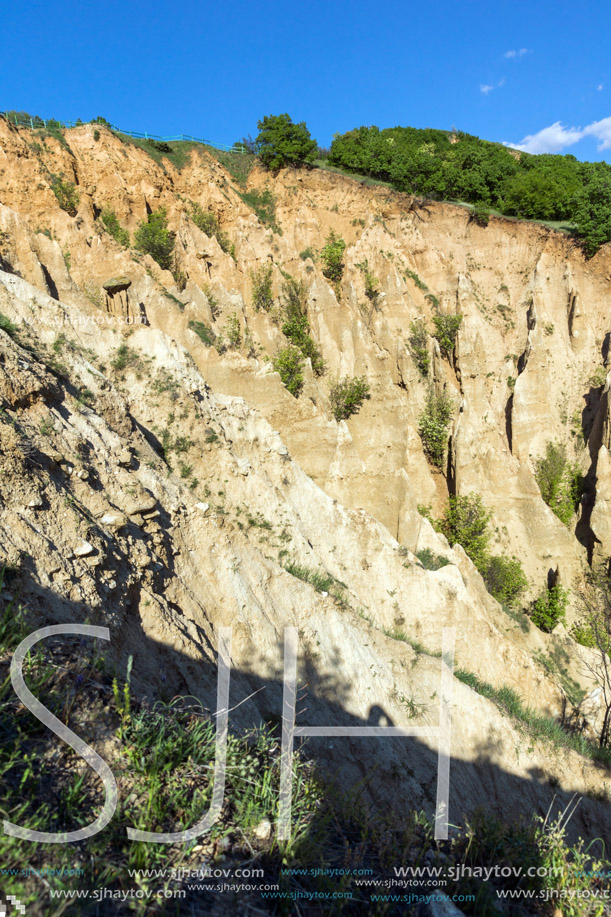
(162, 487)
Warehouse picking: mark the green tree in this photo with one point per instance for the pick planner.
(281, 143)
(592, 209)
(446, 329)
(262, 291)
(348, 395)
(332, 257)
(66, 194)
(505, 579)
(418, 342)
(113, 227)
(153, 238)
(466, 523)
(296, 326)
(289, 363)
(433, 426)
(550, 608)
(560, 482)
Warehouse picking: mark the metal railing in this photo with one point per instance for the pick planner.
(50, 123)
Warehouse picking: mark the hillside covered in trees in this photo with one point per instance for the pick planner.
(460, 167)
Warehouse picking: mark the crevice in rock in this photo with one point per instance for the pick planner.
(571, 307)
(508, 422)
(583, 530)
(51, 286)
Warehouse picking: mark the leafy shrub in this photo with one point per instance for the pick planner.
(294, 299)
(433, 426)
(446, 329)
(296, 326)
(418, 341)
(560, 482)
(114, 228)
(155, 239)
(289, 363)
(372, 284)
(297, 331)
(208, 222)
(598, 377)
(203, 332)
(180, 278)
(592, 208)
(262, 293)
(125, 358)
(308, 253)
(583, 634)
(348, 395)
(465, 522)
(280, 142)
(332, 257)
(550, 608)
(232, 331)
(263, 203)
(213, 302)
(66, 194)
(430, 560)
(505, 579)
(7, 325)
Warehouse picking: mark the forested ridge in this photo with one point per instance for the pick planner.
(455, 166)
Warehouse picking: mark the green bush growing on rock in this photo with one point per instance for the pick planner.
(332, 257)
(296, 326)
(433, 426)
(298, 333)
(560, 482)
(418, 342)
(208, 222)
(203, 332)
(155, 239)
(262, 293)
(505, 580)
(465, 522)
(7, 325)
(347, 396)
(446, 329)
(113, 227)
(289, 363)
(550, 608)
(66, 194)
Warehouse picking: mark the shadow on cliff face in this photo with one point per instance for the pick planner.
(370, 787)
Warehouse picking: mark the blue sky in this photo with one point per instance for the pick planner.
(506, 71)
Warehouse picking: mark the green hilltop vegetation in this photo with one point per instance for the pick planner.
(441, 165)
(433, 164)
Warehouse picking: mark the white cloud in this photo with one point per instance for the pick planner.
(600, 87)
(556, 137)
(489, 87)
(513, 53)
(602, 131)
(551, 139)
